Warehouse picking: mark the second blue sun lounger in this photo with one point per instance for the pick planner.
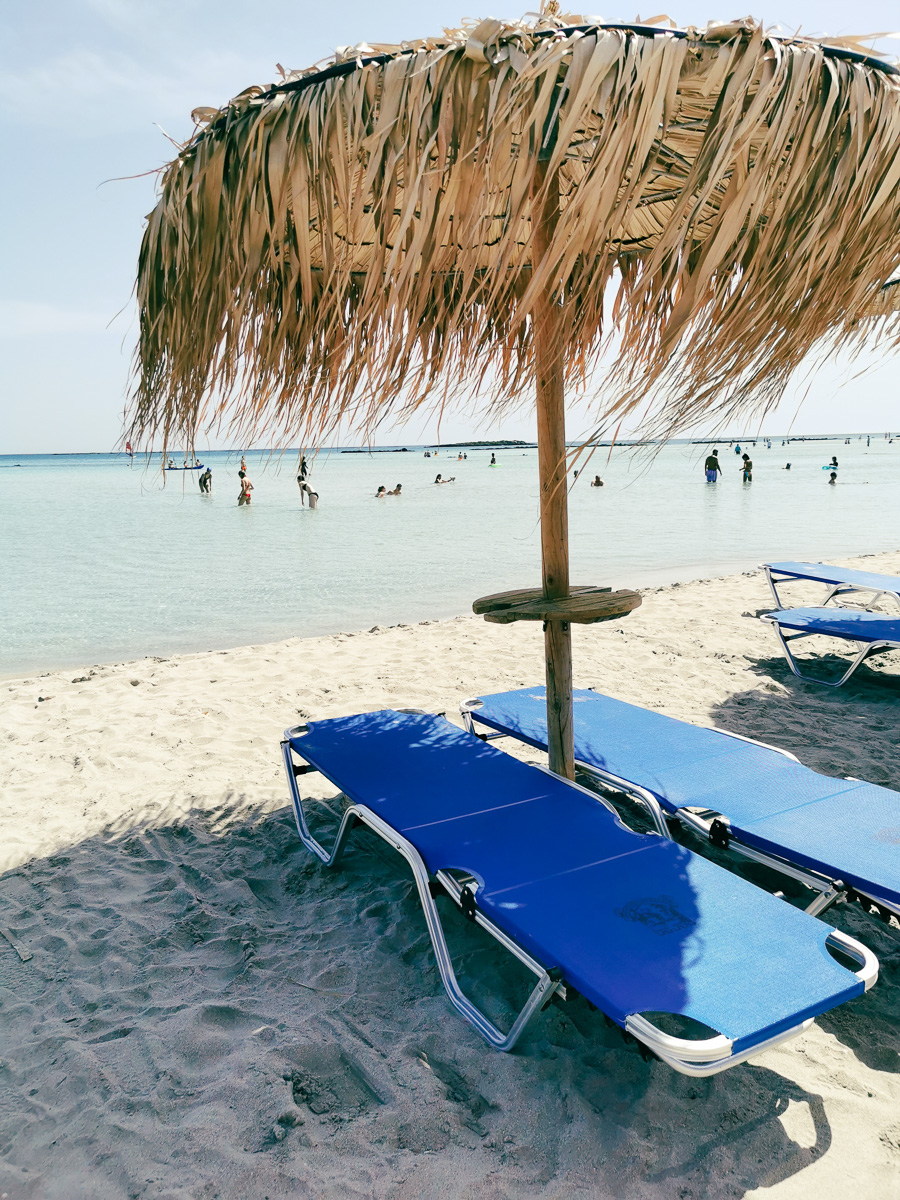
(646, 930)
(840, 837)
(839, 581)
(871, 633)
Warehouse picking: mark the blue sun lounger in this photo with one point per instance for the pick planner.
(871, 633)
(839, 581)
(839, 837)
(643, 928)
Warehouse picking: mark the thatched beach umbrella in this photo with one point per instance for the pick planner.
(461, 214)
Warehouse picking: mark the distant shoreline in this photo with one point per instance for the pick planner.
(499, 444)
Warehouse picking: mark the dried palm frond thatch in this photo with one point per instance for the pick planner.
(359, 239)
(885, 302)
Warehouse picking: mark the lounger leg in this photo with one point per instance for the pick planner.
(860, 658)
(824, 900)
(646, 799)
(842, 590)
(547, 983)
(772, 587)
(466, 710)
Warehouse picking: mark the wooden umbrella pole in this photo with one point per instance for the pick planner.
(551, 435)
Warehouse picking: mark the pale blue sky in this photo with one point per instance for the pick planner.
(83, 86)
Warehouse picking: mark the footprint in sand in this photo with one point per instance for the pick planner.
(329, 1082)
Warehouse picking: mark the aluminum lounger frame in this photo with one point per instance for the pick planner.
(697, 1058)
(833, 589)
(713, 826)
(864, 650)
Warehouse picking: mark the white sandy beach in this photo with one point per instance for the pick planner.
(208, 1012)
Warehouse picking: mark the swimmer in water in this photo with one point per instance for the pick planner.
(450, 480)
(832, 478)
(711, 466)
(596, 481)
(396, 490)
(381, 493)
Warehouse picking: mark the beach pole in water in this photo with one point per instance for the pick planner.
(551, 436)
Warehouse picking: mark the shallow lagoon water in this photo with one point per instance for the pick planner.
(104, 563)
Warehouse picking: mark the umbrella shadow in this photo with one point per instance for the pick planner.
(169, 964)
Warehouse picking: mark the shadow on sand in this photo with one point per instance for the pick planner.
(207, 1008)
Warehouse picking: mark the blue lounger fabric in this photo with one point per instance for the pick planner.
(635, 923)
(853, 623)
(823, 573)
(843, 828)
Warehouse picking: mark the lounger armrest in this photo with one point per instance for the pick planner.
(705, 1050)
(868, 972)
(690, 1058)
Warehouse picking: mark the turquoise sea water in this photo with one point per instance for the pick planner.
(101, 562)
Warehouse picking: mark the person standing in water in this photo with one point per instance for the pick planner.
(596, 481)
(832, 478)
(712, 467)
(246, 489)
(302, 474)
(206, 482)
(747, 468)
